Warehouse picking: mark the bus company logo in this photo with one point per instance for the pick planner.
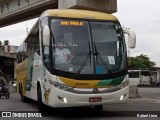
(95, 90)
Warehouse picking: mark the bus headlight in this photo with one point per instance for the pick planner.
(62, 99)
(123, 97)
(60, 86)
(123, 84)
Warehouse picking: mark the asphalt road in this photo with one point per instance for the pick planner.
(149, 100)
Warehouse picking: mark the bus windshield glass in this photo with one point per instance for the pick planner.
(87, 47)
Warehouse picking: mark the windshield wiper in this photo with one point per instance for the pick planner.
(85, 60)
(97, 54)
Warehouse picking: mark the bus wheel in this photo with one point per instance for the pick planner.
(41, 106)
(99, 107)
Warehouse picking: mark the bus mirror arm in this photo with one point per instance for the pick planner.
(131, 36)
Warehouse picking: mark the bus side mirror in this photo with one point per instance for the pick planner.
(132, 37)
(46, 35)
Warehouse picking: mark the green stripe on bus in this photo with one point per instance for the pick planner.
(104, 82)
(115, 81)
(118, 80)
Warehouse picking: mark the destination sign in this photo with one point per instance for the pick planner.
(72, 23)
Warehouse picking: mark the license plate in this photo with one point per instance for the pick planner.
(95, 99)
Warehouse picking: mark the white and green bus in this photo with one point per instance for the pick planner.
(95, 75)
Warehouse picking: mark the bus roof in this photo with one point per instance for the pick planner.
(75, 13)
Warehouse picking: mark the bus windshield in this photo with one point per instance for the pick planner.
(87, 47)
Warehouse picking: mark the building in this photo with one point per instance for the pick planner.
(8, 59)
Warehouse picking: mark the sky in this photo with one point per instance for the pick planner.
(142, 16)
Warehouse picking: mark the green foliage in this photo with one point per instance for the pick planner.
(141, 61)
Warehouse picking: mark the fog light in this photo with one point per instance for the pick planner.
(62, 99)
(123, 96)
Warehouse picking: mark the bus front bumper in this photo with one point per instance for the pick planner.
(59, 98)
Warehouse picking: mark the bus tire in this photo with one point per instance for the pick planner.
(41, 106)
(99, 107)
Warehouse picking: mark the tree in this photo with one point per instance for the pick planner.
(141, 61)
